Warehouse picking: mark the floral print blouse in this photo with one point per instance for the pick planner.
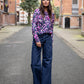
(40, 25)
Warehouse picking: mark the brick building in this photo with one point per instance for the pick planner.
(21, 14)
(70, 13)
(7, 12)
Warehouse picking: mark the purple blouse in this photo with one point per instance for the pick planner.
(40, 26)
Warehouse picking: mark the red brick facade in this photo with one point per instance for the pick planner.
(66, 8)
(70, 13)
(7, 12)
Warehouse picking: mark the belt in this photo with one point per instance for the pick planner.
(44, 34)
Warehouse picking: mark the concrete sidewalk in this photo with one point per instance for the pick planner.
(73, 38)
(8, 31)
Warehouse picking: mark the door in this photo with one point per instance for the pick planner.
(67, 22)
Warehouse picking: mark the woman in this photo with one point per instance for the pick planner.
(42, 30)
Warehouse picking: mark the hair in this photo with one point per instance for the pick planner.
(49, 9)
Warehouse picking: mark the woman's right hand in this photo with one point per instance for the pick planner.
(38, 44)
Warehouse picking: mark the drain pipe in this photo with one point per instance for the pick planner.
(15, 14)
(60, 19)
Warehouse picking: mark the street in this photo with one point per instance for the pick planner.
(15, 60)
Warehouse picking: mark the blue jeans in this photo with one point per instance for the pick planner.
(42, 72)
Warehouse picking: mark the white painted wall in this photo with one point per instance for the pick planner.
(18, 8)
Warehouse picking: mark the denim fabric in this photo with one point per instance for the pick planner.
(42, 72)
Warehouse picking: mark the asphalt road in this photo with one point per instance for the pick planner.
(15, 60)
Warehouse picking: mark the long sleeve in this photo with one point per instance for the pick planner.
(34, 26)
(52, 23)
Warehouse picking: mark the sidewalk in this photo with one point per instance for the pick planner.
(73, 38)
(8, 31)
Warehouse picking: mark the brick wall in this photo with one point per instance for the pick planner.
(11, 6)
(0, 5)
(18, 1)
(80, 6)
(74, 22)
(8, 18)
(12, 21)
(66, 6)
(67, 11)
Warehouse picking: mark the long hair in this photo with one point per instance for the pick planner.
(49, 9)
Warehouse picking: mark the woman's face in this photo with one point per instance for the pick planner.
(45, 2)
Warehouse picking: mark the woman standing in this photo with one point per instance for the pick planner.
(42, 30)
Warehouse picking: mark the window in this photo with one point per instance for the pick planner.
(75, 7)
(1, 4)
(6, 5)
(6, 8)
(1, 7)
(75, 1)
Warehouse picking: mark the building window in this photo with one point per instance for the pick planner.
(6, 5)
(75, 7)
(6, 8)
(1, 4)
(1, 7)
(75, 1)
(17, 16)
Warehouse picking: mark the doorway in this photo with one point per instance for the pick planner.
(67, 22)
(79, 22)
(17, 16)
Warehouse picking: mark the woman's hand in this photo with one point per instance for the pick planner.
(38, 44)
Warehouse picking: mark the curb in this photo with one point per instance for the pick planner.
(70, 45)
(10, 33)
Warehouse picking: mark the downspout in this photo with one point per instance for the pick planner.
(15, 14)
(60, 19)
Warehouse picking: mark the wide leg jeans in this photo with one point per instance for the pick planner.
(42, 72)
